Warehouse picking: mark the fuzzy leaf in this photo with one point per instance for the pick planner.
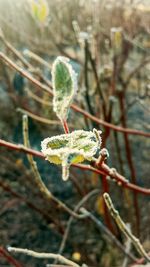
(64, 82)
(67, 149)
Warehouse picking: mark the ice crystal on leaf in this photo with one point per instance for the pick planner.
(67, 149)
(64, 80)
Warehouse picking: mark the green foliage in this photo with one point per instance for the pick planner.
(64, 85)
(67, 149)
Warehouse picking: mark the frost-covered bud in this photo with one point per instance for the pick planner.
(64, 80)
(116, 40)
(67, 149)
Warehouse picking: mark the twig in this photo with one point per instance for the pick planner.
(103, 155)
(128, 247)
(46, 215)
(42, 255)
(86, 80)
(37, 98)
(136, 70)
(109, 125)
(37, 177)
(81, 203)
(122, 226)
(105, 169)
(24, 73)
(108, 233)
(28, 65)
(74, 107)
(93, 64)
(65, 126)
(15, 52)
(130, 162)
(38, 118)
(37, 58)
(112, 173)
(9, 258)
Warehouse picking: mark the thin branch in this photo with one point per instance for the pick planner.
(42, 255)
(11, 48)
(25, 63)
(38, 118)
(136, 70)
(128, 247)
(37, 58)
(65, 126)
(37, 177)
(8, 189)
(109, 234)
(122, 226)
(37, 98)
(77, 207)
(130, 161)
(9, 258)
(109, 125)
(74, 107)
(112, 173)
(105, 169)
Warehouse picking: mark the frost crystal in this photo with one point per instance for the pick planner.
(67, 149)
(64, 80)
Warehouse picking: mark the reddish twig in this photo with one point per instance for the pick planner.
(45, 215)
(110, 125)
(65, 126)
(9, 258)
(74, 107)
(102, 157)
(104, 169)
(130, 163)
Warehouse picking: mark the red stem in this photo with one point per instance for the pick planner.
(74, 107)
(130, 163)
(104, 169)
(105, 185)
(9, 258)
(65, 126)
(109, 125)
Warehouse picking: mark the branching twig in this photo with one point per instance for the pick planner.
(38, 118)
(42, 255)
(9, 258)
(105, 169)
(37, 98)
(108, 233)
(37, 58)
(122, 226)
(74, 107)
(43, 189)
(128, 247)
(81, 203)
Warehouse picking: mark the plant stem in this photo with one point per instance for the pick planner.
(9, 258)
(74, 107)
(105, 169)
(42, 255)
(122, 226)
(65, 126)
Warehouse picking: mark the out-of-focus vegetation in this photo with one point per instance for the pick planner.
(109, 47)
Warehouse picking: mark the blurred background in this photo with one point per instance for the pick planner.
(108, 43)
